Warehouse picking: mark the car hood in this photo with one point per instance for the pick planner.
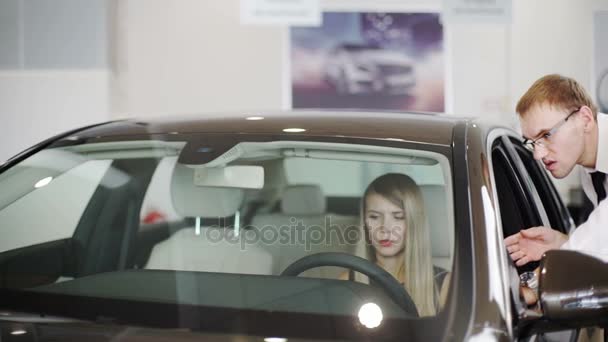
(206, 304)
(90, 331)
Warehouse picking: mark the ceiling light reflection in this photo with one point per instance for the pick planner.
(43, 182)
(18, 332)
(294, 130)
(275, 339)
(254, 118)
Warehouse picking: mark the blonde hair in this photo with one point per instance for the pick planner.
(416, 271)
(556, 91)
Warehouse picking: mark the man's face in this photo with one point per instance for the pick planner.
(563, 149)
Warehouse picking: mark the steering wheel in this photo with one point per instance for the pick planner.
(395, 291)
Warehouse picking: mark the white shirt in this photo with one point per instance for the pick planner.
(591, 237)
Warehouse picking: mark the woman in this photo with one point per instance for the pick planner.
(397, 239)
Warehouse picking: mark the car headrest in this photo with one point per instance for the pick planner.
(435, 205)
(303, 199)
(190, 200)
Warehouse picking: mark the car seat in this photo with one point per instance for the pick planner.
(207, 248)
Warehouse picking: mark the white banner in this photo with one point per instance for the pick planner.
(281, 12)
(477, 11)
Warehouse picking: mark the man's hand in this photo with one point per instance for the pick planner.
(530, 244)
(528, 295)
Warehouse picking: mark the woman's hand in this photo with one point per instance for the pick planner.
(530, 244)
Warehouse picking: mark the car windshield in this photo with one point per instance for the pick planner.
(217, 226)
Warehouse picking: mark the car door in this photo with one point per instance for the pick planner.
(526, 198)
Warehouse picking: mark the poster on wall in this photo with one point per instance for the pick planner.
(600, 74)
(368, 60)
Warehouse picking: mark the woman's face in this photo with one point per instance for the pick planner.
(385, 222)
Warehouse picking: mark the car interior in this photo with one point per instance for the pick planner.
(215, 220)
(292, 203)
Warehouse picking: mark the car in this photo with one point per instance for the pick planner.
(240, 227)
(359, 69)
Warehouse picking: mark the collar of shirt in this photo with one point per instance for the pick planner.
(601, 163)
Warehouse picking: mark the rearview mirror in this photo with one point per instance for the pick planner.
(573, 287)
(235, 176)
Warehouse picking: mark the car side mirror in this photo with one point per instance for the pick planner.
(573, 288)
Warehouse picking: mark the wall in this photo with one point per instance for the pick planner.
(479, 67)
(187, 56)
(53, 69)
(551, 36)
(35, 105)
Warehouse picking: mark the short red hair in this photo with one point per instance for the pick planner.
(556, 91)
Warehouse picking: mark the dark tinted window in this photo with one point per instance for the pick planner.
(516, 209)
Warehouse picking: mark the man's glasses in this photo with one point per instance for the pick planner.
(544, 139)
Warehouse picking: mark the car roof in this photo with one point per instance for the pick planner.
(414, 127)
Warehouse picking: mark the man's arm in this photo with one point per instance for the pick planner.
(591, 237)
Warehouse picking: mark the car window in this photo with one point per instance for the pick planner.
(157, 206)
(526, 199)
(44, 197)
(353, 182)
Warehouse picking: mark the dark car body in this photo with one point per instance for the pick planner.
(92, 286)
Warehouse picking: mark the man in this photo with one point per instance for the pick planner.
(563, 129)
